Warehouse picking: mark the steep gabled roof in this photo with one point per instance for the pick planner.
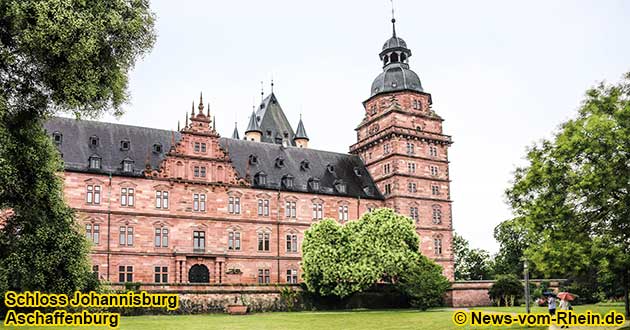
(273, 122)
(300, 133)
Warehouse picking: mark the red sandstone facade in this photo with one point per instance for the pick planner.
(194, 219)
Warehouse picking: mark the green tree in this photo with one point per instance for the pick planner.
(55, 56)
(574, 193)
(339, 260)
(471, 264)
(507, 289)
(513, 240)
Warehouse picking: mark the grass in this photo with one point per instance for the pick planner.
(382, 319)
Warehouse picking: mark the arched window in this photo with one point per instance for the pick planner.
(394, 57)
(403, 57)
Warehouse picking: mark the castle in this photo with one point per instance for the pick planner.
(190, 206)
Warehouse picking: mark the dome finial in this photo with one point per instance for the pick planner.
(393, 20)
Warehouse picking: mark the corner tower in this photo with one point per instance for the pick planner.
(400, 140)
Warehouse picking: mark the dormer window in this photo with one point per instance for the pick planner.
(287, 181)
(357, 171)
(313, 184)
(286, 135)
(124, 145)
(253, 160)
(279, 162)
(157, 148)
(95, 162)
(93, 141)
(340, 186)
(269, 133)
(57, 137)
(305, 165)
(330, 168)
(260, 179)
(127, 165)
(368, 190)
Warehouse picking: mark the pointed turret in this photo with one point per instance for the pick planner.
(253, 131)
(235, 133)
(301, 139)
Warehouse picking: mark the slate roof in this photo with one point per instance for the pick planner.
(76, 150)
(329, 167)
(300, 133)
(273, 123)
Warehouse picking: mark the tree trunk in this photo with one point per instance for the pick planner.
(626, 279)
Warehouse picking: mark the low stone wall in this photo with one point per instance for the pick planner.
(475, 293)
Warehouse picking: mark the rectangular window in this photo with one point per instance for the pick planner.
(161, 274)
(202, 202)
(410, 148)
(93, 232)
(433, 151)
(161, 237)
(125, 236)
(196, 171)
(386, 168)
(411, 167)
(234, 205)
(195, 202)
(158, 199)
(435, 190)
(126, 196)
(388, 188)
(434, 170)
(125, 274)
(263, 207)
(386, 149)
(264, 276)
(95, 272)
(411, 187)
(234, 240)
(291, 243)
(292, 276)
(197, 146)
(318, 211)
(343, 212)
(290, 209)
(413, 213)
(263, 241)
(437, 242)
(89, 196)
(165, 199)
(203, 147)
(199, 241)
(203, 171)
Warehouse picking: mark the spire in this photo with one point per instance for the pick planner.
(186, 120)
(235, 133)
(300, 132)
(271, 85)
(253, 124)
(262, 92)
(393, 20)
(214, 123)
(200, 107)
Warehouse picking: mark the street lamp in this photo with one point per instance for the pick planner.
(526, 273)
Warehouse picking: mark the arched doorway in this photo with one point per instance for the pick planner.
(198, 274)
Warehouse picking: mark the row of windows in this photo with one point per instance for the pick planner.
(199, 147)
(125, 274)
(125, 238)
(411, 168)
(436, 215)
(127, 198)
(411, 150)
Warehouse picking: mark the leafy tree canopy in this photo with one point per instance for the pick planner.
(382, 246)
(573, 196)
(471, 264)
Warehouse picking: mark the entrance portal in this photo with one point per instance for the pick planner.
(199, 274)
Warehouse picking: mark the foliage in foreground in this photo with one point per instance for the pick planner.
(573, 197)
(339, 260)
(55, 55)
(506, 290)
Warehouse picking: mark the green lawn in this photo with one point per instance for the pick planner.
(389, 319)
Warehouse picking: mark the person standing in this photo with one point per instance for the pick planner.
(551, 303)
(565, 306)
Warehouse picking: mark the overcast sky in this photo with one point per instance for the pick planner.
(503, 74)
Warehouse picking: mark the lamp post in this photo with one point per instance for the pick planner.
(526, 273)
